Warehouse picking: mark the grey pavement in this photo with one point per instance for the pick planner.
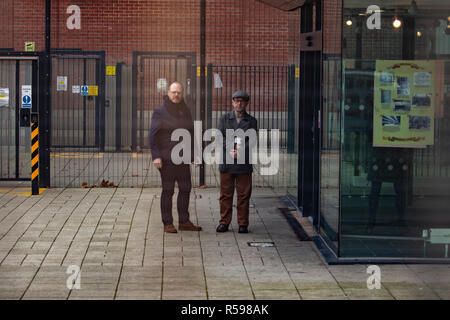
(115, 237)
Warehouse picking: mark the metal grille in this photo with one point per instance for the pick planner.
(14, 139)
(272, 103)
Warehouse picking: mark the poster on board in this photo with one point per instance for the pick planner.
(404, 104)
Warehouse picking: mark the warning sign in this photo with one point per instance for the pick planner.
(161, 84)
(84, 90)
(26, 97)
(61, 83)
(93, 90)
(29, 46)
(4, 97)
(110, 70)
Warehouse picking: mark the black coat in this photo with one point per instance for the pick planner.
(165, 119)
(228, 121)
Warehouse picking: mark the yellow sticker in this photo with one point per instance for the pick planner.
(110, 70)
(29, 46)
(93, 90)
(297, 72)
(198, 71)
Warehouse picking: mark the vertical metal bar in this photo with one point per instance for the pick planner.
(43, 76)
(17, 118)
(202, 78)
(134, 103)
(100, 99)
(209, 79)
(275, 106)
(141, 106)
(119, 106)
(84, 103)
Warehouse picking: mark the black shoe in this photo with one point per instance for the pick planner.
(222, 228)
(243, 229)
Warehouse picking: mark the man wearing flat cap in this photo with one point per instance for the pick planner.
(236, 174)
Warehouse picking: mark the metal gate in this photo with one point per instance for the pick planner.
(78, 100)
(152, 74)
(18, 92)
(271, 91)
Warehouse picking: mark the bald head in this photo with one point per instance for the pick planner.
(175, 92)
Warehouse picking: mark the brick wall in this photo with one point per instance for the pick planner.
(332, 26)
(238, 32)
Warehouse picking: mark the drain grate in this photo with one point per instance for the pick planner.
(261, 244)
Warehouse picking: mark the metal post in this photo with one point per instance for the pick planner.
(202, 78)
(34, 154)
(119, 106)
(291, 109)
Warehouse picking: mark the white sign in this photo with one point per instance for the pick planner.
(4, 97)
(76, 89)
(26, 96)
(161, 84)
(61, 83)
(217, 82)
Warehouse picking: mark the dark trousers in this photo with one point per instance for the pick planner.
(400, 199)
(243, 184)
(182, 175)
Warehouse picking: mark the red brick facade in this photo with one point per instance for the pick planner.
(332, 22)
(238, 32)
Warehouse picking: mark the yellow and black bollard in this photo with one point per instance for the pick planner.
(34, 155)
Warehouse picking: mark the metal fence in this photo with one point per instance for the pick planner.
(272, 103)
(100, 121)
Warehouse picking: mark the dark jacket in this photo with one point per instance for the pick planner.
(165, 119)
(228, 121)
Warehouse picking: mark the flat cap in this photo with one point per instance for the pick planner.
(241, 94)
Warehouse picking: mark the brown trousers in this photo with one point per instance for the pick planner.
(243, 184)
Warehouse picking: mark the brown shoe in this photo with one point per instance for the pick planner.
(170, 229)
(189, 226)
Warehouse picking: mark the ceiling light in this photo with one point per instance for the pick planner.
(349, 22)
(397, 23)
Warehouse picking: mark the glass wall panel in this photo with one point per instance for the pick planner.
(330, 151)
(395, 168)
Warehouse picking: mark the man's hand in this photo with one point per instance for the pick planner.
(234, 154)
(197, 162)
(158, 163)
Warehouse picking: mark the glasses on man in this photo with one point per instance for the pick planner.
(239, 100)
(176, 92)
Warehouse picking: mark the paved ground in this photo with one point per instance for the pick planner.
(116, 237)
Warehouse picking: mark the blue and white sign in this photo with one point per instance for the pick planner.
(26, 97)
(84, 90)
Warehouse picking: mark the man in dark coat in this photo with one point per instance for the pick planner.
(388, 165)
(172, 115)
(235, 173)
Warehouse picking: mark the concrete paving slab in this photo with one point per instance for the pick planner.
(116, 236)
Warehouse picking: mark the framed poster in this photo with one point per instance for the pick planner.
(404, 104)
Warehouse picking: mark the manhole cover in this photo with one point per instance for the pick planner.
(260, 244)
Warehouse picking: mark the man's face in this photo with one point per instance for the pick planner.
(175, 93)
(239, 104)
